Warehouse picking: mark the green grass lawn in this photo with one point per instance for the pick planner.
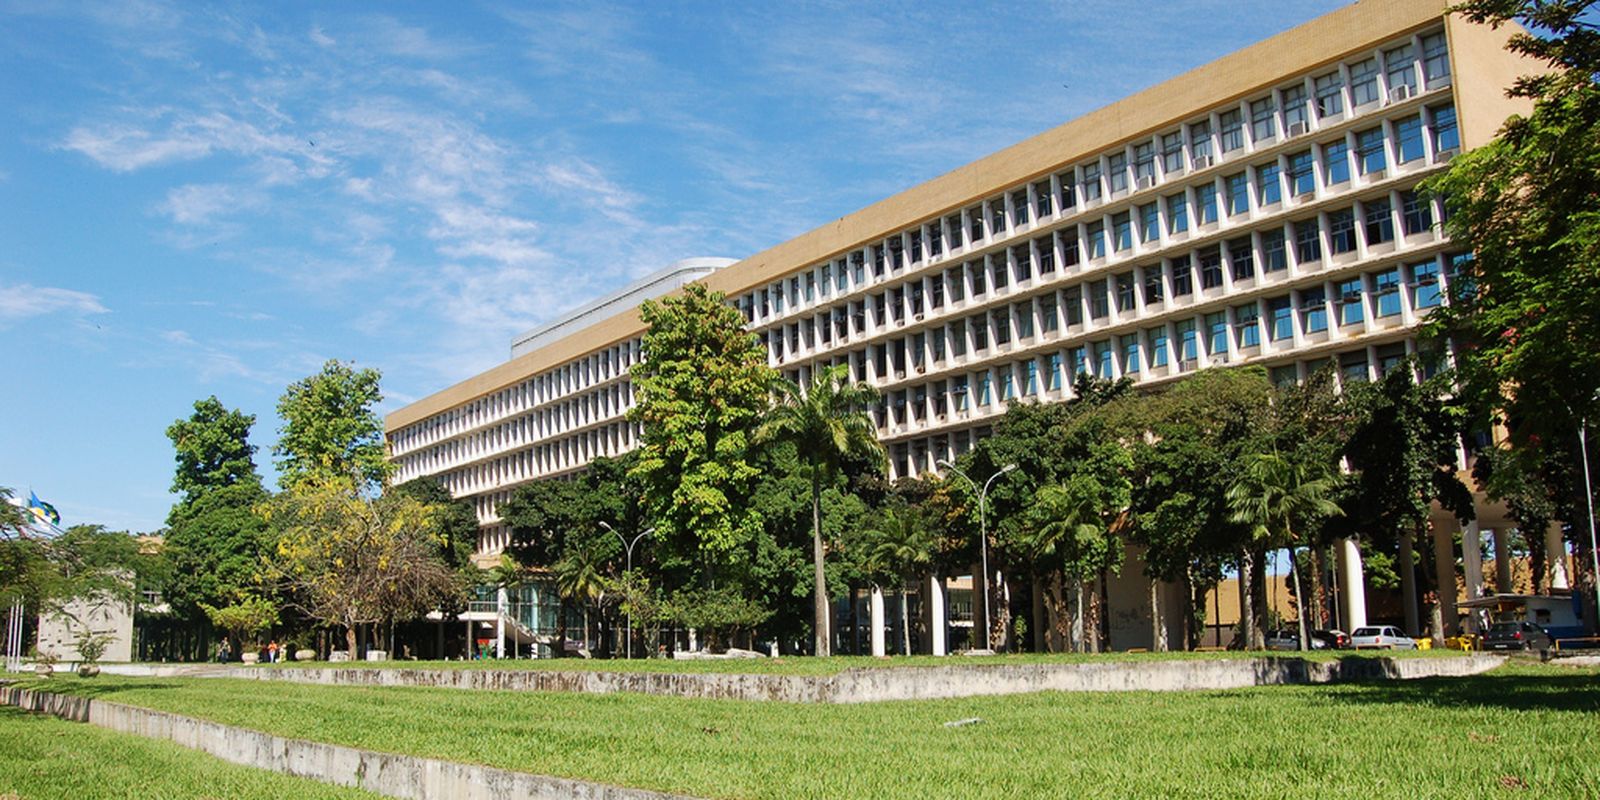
(806, 665)
(1526, 728)
(43, 758)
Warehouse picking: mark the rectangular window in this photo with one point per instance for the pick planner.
(1369, 151)
(1336, 159)
(1240, 258)
(1177, 213)
(1364, 83)
(1069, 248)
(1353, 367)
(1099, 299)
(1144, 163)
(1408, 135)
(1247, 325)
(985, 388)
(952, 223)
(1238, 194)
(1052, 379)
(1217, 334)
(979, 326)
(1045, 247)
(997, 216)
(1424, 284)
(1351, 302)
(1302, 173)
(1415, 213)
(1157, 337)
(1200, 143)
(1103, 357)
(1273, 257)
(1002, 275)
(1125, 301)
(1019, 206)
(1130, 354)
(1386, 289)
(1380, 221)
(1232, 128)
(1030, 377)
(1149, 222)
(1091, 182)
(1072, 303)
(1096, 233)
(1330, 95)
(958, 337)
(1117, 172)
(1069, 192)
(1172, 153)
(1024, 312)
(1022, 257)
(1153, 290)
(1188, 340)
(1400, 69)
(1041, 198)
(1205, 201)
(1048, 317)
(1268, 189)
(1342, 231)
(1307, 241)
(1122, 230)
(1262, 117)
(1294, 110)
(958, 389)
(978, 275)
(1211, 267)
(1435, 59)
(957, 283)
(1282, 311)
(1001, 319)
(1182, 276)
(1313, 310)
(1445, 135)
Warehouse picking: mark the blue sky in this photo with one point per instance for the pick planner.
(208, 199)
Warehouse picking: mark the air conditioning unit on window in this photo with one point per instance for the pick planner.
(1298, 129)
(1147, 181)
(1201, 162)
(1400, 93)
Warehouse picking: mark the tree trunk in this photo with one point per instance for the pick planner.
(1319, 583)
(1299, 602)
(905, 614)
(350, 639)
(1158, 628)
(1247, 611)
(823, 640)
(1039, 626)
(1058, 617)
(1077, 616)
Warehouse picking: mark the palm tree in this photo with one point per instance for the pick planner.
(1271, 495)
(827, 422)
(902, 542)
(579, 577)
(1068, 529)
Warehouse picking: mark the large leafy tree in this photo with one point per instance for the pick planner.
(1276, 497)
(827, 422)
(330, 428)
(702, 387)
(901, 540)
(214, 540)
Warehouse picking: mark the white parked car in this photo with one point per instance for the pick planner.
(1381, 637)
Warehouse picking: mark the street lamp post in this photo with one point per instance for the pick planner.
(627, 547)
(983, 533)
(1588, 493)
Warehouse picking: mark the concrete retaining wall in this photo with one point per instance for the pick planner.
(907, 683)
(383, 773)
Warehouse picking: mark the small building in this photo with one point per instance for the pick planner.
(1560, 614)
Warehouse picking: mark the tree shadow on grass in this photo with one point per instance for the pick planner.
(1579, 691)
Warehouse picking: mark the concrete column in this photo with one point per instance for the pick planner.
(1408, 585)
(1555, 548)
(1472, 568)
(1502, 560)
(938, 624)
(500, 623)
(1352, 580)
(875, 612)
(1444, 562)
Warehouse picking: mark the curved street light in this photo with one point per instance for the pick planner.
(627, 546)
(983, 540)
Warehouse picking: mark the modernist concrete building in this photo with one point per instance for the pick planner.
(1260, 209)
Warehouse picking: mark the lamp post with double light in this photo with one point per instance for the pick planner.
(627, 547)
(983, 534)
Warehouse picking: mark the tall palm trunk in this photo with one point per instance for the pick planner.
(823, 640)
(1247, 610)
(905, 614)
(1299, 601)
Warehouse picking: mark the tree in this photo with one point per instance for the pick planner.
(347, 559)
(827, 422)
(246, 619)
(702, 387)
(214, 540)
(330, 430)
(1274, 496)
(458, 523)
(1069, 526)
(581, 577)
(901, 541)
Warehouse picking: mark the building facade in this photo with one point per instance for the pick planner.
(1261, 209)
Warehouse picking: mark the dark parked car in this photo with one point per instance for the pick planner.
(1516, 636)
(1333, 639)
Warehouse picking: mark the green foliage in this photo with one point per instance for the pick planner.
(245, 620)
(719, 612)
(215, 542)
(701, 388)
(458, 523)
(330, 430)
(213, 450)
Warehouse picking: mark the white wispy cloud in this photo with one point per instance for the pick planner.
(23, 301)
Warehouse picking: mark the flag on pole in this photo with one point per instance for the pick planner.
(44, 511)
